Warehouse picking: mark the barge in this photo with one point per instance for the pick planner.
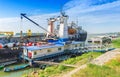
(49, 50)
(9, 55)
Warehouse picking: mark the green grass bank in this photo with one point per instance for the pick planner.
(53, 71)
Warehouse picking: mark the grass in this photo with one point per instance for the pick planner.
(114, 62)
(110, 69)
(79, 60)
(116, 43)
(52, 71)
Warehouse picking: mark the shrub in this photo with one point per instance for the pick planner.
(116, 43)
(61, 67)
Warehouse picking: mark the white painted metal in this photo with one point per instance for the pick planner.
(63, 31)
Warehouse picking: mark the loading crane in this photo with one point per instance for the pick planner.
(7, 33)
(24, 15)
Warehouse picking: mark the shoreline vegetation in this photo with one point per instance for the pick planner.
(110, 69)
(116, 43)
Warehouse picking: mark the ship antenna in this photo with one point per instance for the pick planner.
(77, 21)
(62, 12)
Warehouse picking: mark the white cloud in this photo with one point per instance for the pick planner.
(86, 8)
(94, 17)
(16, 24)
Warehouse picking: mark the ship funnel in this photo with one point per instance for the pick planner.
(51, 27)
(63, 30)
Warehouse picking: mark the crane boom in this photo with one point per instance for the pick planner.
(24, 15)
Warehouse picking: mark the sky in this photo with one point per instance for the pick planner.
(95, 16)
(32, 7)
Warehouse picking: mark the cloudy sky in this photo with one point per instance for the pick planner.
(95, 16)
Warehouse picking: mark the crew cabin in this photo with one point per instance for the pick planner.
(49, 50)
(40, 52)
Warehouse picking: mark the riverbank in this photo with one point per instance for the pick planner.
(58, 70)
(85, 69)
(109, 69)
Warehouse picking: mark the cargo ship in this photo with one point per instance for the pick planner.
(60, 39)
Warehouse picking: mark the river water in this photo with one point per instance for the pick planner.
(18, 73)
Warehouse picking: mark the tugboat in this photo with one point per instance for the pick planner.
(16, 68)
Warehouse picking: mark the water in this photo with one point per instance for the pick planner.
(18, 73)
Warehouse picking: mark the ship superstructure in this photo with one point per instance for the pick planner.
(65, 30)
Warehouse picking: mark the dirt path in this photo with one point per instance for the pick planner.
(106, 57)
(98, 61)
(75, 70)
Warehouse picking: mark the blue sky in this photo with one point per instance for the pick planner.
(95, 16)
(12, 8)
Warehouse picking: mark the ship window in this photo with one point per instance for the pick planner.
(48, 50)
(25, 50)
(75, 45)
(68, 45)
(59, 49)
(35, 53)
